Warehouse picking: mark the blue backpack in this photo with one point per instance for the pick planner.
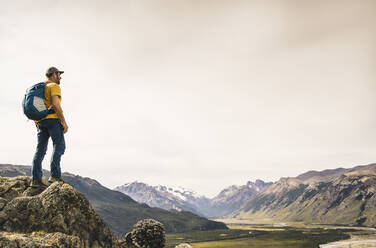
(33, 102)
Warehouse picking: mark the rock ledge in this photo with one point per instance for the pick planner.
(58, 216)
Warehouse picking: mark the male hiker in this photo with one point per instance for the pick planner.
(54, 126)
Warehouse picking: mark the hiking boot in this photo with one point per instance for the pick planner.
(38, 184)
(55, 179)
(32, 191)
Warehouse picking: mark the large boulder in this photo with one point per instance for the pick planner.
(58, 216)
(147, 233)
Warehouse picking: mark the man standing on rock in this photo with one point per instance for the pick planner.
(54, 126)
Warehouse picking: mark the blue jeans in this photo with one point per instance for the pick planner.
(46, 129)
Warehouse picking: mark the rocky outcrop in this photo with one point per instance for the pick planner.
(57, 216)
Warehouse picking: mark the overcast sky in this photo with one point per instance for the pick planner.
(198, 94)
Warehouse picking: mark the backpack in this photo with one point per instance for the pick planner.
(33, 102)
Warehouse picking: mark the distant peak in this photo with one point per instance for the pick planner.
(258, 181)
(137, 183)
(178, 190)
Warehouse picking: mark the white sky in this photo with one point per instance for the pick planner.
(199, 94)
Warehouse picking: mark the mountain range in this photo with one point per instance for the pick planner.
(180, 199)
(119, 211)
(338, 196)
(334, 196)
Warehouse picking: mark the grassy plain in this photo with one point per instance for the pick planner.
(282, 235)
(268, 237)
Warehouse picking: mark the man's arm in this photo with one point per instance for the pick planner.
(59, 111)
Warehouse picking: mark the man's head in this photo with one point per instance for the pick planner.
(53, 74)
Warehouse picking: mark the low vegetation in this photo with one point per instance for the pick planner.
(260, 237)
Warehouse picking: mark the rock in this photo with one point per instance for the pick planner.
(3, 202)
(146, 233)
(39, 239)
(13, 187)
(58, 216)
(184, 245)
(33, 191)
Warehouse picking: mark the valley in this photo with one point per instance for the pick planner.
(266, 234)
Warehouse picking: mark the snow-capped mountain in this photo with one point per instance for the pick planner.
(180, 199)
(179, 192)
(165, 197)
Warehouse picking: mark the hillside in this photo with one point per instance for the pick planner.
(341, 196)
(234, 197)
(119, 211)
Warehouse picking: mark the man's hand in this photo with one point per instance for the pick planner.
(59, 111)
(65, 126)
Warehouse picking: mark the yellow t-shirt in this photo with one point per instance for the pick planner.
(50, 90)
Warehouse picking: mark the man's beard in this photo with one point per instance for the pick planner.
(58, 81)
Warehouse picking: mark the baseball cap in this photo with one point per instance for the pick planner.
(52, 70)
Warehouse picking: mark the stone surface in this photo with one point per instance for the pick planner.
(39, 239)
(147, 233)
(58, 216)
